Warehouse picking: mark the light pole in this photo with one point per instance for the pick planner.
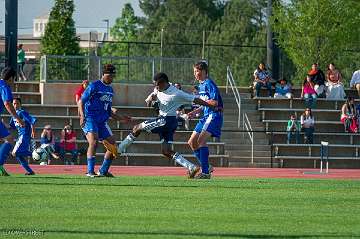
(107, 28)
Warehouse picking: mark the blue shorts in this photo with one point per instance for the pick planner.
(101, 129)
(166, 131)
(22, 146)
(4, 132)
(211, 123)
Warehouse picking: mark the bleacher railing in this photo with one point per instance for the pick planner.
(247, 127)
(231, 82)
(129, 69)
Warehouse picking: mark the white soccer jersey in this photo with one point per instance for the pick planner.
(171, 99)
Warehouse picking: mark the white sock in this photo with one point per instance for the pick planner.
(183, 161)
(126, 143)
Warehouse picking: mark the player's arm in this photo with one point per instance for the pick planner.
(152, 97)
(208, 103)
(10, 108)
(122, 118)
(194, 112)
(84, 98)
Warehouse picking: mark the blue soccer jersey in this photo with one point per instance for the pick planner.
(97, 99)
(28, 120)
(6, 94)
(209, 91)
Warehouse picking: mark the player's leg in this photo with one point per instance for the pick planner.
(24, 163)
(91, 158)
(5, 148)
(108, 158)
(204, 151)
(21, 150)
(148, 126)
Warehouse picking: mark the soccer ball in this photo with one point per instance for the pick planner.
(40, 154)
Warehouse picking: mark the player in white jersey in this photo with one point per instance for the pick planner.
(169, 98)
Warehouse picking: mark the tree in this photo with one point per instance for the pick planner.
(60, 34)
(320, 31)
(124, 29)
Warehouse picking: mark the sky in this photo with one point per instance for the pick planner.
(88, 15)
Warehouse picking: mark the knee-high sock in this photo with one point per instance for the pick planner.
(204, 158)
(183, 161)
(126, 143)
(4, 152)
(91, 165)
(24, 163)
(197, 155)
(105, 166)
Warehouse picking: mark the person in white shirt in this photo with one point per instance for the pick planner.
(170, 99)
(307, 123)
(355, 81)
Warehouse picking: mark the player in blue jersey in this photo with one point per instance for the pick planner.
(170, 99)
(211, 122)
(22, 146)
(7, 75)
(95, 108)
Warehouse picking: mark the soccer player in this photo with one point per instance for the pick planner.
(95, 108)
(211, 122)
(169, 98)
(25, 134)
(7, 75)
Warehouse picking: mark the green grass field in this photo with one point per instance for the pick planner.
(174, 207)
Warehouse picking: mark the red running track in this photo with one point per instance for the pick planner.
(177, 171)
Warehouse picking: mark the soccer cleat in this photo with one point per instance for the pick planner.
(29, 173)
(3, 171)
(211, 169)
(91, 174)
(203, 176)
(108, 175)
(193, 172)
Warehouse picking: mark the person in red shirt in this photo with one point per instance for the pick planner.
(80, 91)
(68, 144)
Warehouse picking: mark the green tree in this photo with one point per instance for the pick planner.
(124, 29)
(60, 34)
(320, 31)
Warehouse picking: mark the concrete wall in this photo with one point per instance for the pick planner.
(64, 93)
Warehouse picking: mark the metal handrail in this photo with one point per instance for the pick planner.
(230, 80)
(247, 126)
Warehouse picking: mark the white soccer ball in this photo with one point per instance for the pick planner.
(40, 154)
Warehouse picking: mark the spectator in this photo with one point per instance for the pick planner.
(335, 88)
(355, 81)
(262, 79)
(348, 116)
(318, 78)
(80, 91)
(293, 127)
(283, 89)
(308, 92)
(307, 123)
(47, 142)
(68, 144)
(21, 62)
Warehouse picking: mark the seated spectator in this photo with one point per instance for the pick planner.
(318, 78)
(348, 116)
(283, 89)
(335, 88)
(307, 124)
(293, 127)
(183, 119)
(355, 81)
(68, 144)
(262, 79)
(308, 93)
(47, 142)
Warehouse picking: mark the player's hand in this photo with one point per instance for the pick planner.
(191, 115)
(82, 121)
(20, 122)
(126, 119)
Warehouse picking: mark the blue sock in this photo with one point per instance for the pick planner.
(4, 152)
(197, 155)
(91, 165)
(204, 158)
(24, 163)
(105, 166)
